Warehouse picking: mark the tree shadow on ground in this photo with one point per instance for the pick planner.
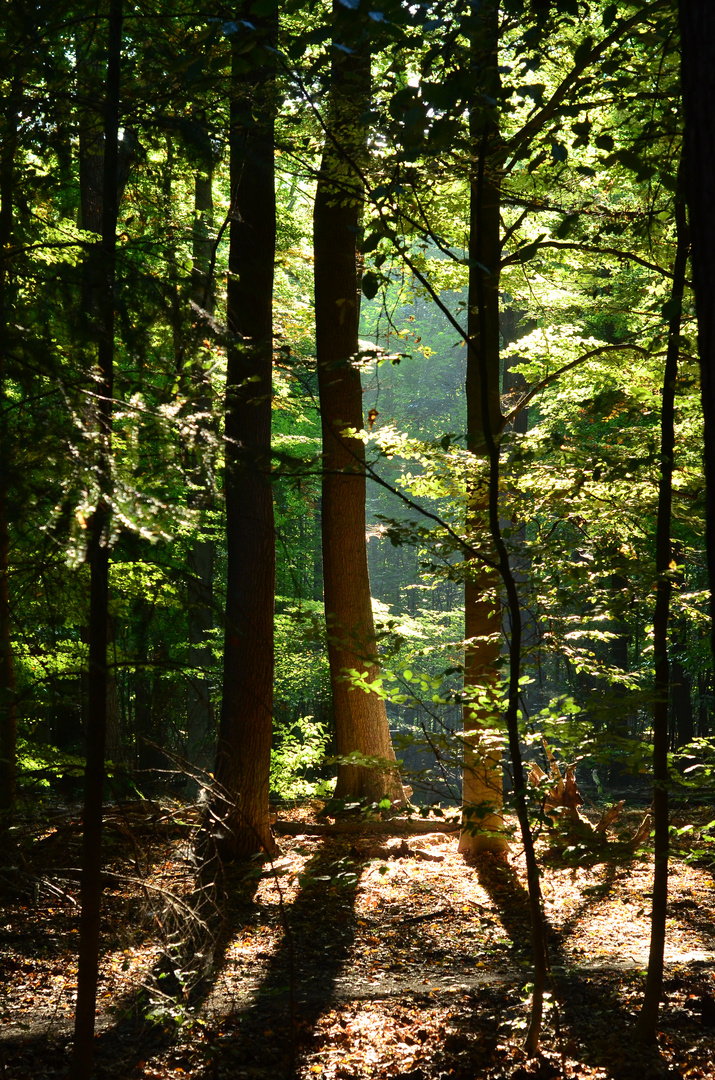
(194, 930)
(587, 1017)
(265, 1033)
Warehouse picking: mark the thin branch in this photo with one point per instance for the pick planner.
(601, 350)
(597, 249)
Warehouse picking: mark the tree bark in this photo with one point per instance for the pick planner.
(8, 688)
(98, 555)
(682, 718)
(646, 1026)
(244, 750)
(200, 718)
(360, 718)
(484, 429)
(482, 784)
(697, 32)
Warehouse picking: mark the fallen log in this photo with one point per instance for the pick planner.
(395, 849)
(392, 827)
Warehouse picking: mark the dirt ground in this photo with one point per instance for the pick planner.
(349, 956)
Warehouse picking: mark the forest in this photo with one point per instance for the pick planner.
(357, 539)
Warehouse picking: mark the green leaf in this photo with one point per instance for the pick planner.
(604, 142)
(566, 225)
(609, 16)
(370, 285)
(527, 252)
(370, 242)
(582, 53)
(671, 309)
(559, 151)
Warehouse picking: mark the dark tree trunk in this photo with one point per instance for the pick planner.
(8, 689)
(618, 726)
(646, 1027)
(200, 722)
(705, 706)
(113, 750)
(98, 555)
(200, 718)
(697, 32)
(482, 784)
(141, 684)
(360, 718)
(243, 760)
(681, 703)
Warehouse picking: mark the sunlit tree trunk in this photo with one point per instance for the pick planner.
(244, 750)
(103, 266)
(360, 717)
(484, 428)
(482, 784)
(646, 1027)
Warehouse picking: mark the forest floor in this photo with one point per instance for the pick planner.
(349, 956)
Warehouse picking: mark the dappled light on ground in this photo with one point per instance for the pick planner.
(355, 957)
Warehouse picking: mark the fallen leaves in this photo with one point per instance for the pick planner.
(351, 957)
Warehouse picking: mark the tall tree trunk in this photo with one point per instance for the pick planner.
(360, 718)
(113, 749)
(483, 823)
(681, 701)
(8, 689)
(697, 32)
(98, 555)
(618, 726)
(705, 694)
(646, 1026)
(244, 751)
(484, 429)
(200, 719)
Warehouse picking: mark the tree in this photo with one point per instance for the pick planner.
(360, 717)
(8, 689)
(482, 784)
(646, 1028)
(243, 757)
(103, 274)
(697, 31)
(200, 734)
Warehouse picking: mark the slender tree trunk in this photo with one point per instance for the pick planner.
(646, 1026)
(8, 689)
(141, 683)
(98, 555)
(705, 694)
(618, 726)
(682, 718)
(113, 749)
(697, 33)
(244, 751)
(483, 822)
(200, 719)
(484, 429)
(360, 718)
